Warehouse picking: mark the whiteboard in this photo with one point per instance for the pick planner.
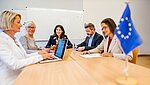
(47, 19)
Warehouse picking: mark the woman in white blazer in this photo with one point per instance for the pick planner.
(110, 46)
(12, 55)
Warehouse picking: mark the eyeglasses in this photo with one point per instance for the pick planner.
(31, 27)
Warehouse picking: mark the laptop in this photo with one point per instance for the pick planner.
(59, 53)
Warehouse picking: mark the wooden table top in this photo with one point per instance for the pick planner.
(75, 70)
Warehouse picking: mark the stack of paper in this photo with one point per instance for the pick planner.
(90, 55)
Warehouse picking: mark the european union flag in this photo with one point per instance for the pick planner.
(126, 32)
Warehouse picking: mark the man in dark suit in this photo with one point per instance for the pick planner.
(92, 40)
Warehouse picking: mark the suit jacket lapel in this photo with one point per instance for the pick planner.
(87, 40)
(94, 39)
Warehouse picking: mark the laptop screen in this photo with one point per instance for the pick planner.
(60, 48)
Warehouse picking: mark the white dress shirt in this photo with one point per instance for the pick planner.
(90, 40)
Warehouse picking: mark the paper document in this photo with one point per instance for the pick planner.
(90, 55)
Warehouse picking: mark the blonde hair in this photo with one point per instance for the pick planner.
(6, 19)
(27, 24)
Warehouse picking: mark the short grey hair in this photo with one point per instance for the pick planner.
(6, 19)
(27, 24)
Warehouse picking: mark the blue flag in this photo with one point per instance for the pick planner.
(126, 32)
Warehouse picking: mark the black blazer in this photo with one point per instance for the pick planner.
(97, 39)
(52, 41)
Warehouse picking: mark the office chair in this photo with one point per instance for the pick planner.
(135, 55)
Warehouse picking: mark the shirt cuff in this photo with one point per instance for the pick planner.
(40, 58)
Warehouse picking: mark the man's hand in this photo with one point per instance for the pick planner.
(81, 48)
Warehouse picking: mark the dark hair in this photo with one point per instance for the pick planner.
(89, 25)
(111, 24)
(61, 27)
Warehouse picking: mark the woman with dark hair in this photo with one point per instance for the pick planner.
(111, 45)
(59, 33)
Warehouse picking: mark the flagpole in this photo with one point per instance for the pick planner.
(126, 67)
(126, 59)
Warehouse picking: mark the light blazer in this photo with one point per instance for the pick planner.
(12, 59)
(114, 48)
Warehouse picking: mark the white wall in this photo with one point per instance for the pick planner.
(141, 19)
(12, 4)
(56, 4)
(47, 19)
(96, 10)
(70, 5)
(52, 4)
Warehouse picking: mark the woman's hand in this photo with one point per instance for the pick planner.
(53, 47)
(42, 52)
(86, 52)
(46, 49)
(45, 55)
(107, 54)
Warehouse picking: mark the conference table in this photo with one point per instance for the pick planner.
(76, 70)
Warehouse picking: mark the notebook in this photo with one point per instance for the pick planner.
(96, 55)
(59, 53)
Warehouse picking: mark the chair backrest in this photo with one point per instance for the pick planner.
(135, 55)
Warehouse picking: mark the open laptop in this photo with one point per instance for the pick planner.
(59, 53)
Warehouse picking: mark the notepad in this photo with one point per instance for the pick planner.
(91, 55)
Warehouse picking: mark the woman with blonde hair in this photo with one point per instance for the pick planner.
(12, 55)
(28, 41)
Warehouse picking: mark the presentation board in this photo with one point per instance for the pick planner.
(47, 19)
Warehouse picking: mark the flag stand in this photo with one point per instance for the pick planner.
(126, 80)
(126, 33)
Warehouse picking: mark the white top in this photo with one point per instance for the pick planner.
(28, 44)
(13, 58)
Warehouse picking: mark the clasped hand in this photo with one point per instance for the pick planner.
(103, 54)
